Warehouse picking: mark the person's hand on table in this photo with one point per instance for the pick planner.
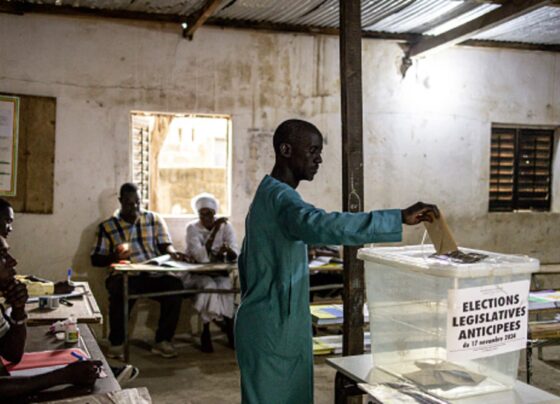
(82, 373)
(177, 256)
(226, 250)
(190, 259)
(63, 288)
(123, 251)
(223, 250)
(419, 212)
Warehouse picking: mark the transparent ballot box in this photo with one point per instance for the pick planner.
(453, 328)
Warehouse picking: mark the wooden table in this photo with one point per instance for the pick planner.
(134, 269)
(332, 270)
(541, 333)
(37, 340)
(84, 308)
(359, 369)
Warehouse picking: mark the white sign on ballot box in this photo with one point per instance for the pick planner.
(487, 320)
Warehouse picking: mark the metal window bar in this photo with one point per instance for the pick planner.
(534, 169)
(520, 169)
(502, 175)
(141, 161)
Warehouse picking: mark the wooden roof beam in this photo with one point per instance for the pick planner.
(466, 31)
(466, 7)
(18, 8)
(198, 18)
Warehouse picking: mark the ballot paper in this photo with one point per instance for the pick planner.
(445, 245)
(168, 262)
(443, 375)
(399, 393)
(441, 236)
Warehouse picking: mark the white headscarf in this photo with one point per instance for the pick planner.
(204, 200)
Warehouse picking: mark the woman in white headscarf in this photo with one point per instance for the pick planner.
(211, 240)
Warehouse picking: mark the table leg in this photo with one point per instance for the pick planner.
(125, 325)
(529, 361)
(346, 390)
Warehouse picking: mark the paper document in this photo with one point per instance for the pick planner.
(441, 236)
(167, 262)
(399, 393)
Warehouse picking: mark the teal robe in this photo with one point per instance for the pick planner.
(273, 326)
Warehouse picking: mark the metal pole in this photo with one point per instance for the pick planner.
(125, 305)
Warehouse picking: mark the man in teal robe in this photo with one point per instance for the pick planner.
(273, 325)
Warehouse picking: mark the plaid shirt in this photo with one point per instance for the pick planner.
(143, 236)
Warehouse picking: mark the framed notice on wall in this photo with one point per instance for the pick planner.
(9, 128)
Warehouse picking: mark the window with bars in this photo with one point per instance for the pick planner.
(520, 169)
(141, 157)
(178, 156)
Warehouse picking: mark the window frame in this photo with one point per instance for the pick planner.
(145, 188)
(519, 132)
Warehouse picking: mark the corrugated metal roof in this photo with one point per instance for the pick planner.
(427, 17)
(462, 19)
(416, 14)
(542, 26)
(177, 7)
(286, 11)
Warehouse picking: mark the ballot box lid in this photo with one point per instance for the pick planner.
(420, 258)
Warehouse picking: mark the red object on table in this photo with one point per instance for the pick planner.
(34, 360)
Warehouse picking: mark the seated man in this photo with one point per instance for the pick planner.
(210, 240)
(35, 286)
(12, 341)
(137, 235)
(40, 287)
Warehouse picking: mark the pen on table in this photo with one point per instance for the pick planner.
(69, 276)
(77, 355)
(66, 302)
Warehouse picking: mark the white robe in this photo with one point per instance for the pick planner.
(211, 306)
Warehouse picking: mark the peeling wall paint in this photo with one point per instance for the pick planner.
(426, 137)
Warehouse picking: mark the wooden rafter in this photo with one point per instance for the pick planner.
(198, 18)
(442, 19)
(483, 43)
(18, 8)
(459, 34)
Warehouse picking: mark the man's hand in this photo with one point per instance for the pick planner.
(123, 251)
(63, 288)
(83, 373)
(219, 222)
(177, 256)
(190, 259)
(16, 295)
(229, 253)
(419, 212)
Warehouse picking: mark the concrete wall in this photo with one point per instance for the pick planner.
(426, 137)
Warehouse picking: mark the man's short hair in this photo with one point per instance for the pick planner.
(127, 188)
(290, 131)
(4, 204)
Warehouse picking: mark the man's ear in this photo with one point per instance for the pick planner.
(286, 150)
